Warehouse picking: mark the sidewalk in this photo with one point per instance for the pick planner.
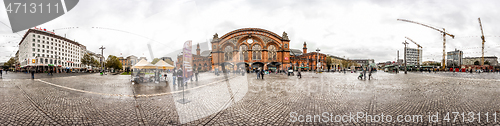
(22, 75)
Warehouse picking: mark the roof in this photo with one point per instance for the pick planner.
(163, 65)
(480, 57)
(250, 29)
(336, 57)
(143, 64)
(51, 35)
(295, 52)
(206, 53)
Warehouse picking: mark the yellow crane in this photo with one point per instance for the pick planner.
(443, 63)
(482, 37)
(419, 55)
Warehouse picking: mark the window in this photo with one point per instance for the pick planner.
(33, 36)
(38, 55)
(38, 50)
(286, 45)
(43, 46)
(256, 52)
(271, 53)
(33, 40)
(38, 37)
(243, 52)
(33, 44)
(33, 49)
(38, 41)
(228, 53)
(33, 54)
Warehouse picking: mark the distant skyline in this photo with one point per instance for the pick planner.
(354, 29)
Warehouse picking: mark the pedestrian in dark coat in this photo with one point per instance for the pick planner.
(262, 72)
(180, 79)
(258, 73)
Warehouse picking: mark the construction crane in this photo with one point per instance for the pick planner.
(443, 63)
(419, 55)
(482, 37)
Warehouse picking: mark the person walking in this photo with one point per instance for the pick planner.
(196, 74)
(174, 76)
(262, 74)
(258, 73)
(370, 74)
(165, 75)
(299, 74)
(32, 74)
(364, 72)
(1, 71)
(180, 80)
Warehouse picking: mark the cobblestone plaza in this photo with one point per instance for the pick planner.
(315, 99)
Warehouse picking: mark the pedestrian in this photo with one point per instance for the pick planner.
(180, 79)
(165, 75)
(1, 71)
(258, 73)
(32, 74)
(299, 74)
(174, 76)
(196, 74)
(262, 74)
(364, 72)
(51, 72)
(370, 74)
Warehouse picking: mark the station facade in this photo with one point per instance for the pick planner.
(250, 49)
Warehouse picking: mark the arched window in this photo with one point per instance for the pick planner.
(256, 52)
(271, 52)
(228, 53)
(244, 52)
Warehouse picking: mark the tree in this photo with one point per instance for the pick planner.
(87, 59)
(113, 62)
(95, 63)
(155, 61)
(476, 63)
(328, 62)
(10, 63)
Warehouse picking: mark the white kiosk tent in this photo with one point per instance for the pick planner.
(143, 72)
(162, 66)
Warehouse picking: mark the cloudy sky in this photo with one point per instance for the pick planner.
(354, 29)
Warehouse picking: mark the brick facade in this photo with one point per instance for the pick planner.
(250, 48)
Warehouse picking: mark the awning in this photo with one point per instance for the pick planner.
(51, 64)
(143, 64)
(163, 65)
(274, 63)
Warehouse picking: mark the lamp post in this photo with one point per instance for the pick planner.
(317, 59)
(405, 43)
(102, 57)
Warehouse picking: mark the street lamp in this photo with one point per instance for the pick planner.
(405, 43)
(317, 59)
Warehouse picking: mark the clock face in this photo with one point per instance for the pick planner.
(250, 41)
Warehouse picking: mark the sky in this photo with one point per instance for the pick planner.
(360, 29)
